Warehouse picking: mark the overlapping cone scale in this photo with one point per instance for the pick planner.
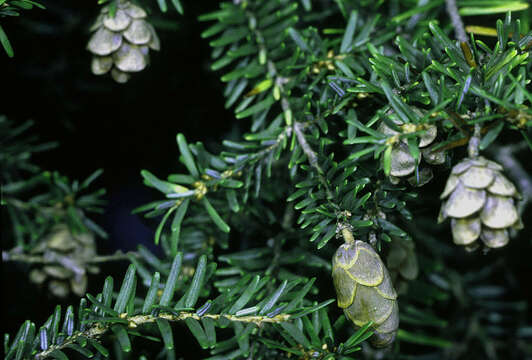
(130, 58)
(138, 32)
(120, 43)
(402, 263)
(119, 22)
(480, 201)
(76, 250)
(365, 291)
(104, 42)
(403, 163)
(101, 64)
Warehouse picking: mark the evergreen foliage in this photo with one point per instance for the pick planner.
(248, 232)
(13, 8)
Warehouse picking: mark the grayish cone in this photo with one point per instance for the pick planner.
(129, 58)
(101, 64)
(119, 76)
(403, 164)
(365, 291)
(138, 32)
(104, 42)
(402, 263)
(72, 252)
(120, 43)
(480, 201)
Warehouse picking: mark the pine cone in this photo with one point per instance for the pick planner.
(402, 263)
(121, 43)
(365, 291)
(403, 163)
(71, 252)
(480, 202)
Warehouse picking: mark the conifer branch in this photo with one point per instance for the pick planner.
(97, 329)
(280, 139)
(313, 160)
(457, 122)
(16, 256)
(474, 142)
(456, 20)
(278, 59)
(279, 81)
(311, 154)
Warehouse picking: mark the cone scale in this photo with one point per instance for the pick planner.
(481, 203)
(365, 292)
(121, 43)
(403, 164)
(76, 249)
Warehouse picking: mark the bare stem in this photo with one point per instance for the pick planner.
(311, 155)
(474, 142)
(312, 159)
(456, 20)
(348, 235)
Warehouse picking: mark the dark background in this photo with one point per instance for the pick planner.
(98, 123)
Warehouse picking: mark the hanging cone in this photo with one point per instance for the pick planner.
(120, 43)
(72, 252)
(129, 58)
(480, 201)
(402, 263)
(101, 64)
(365, 292)
(403, 164)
